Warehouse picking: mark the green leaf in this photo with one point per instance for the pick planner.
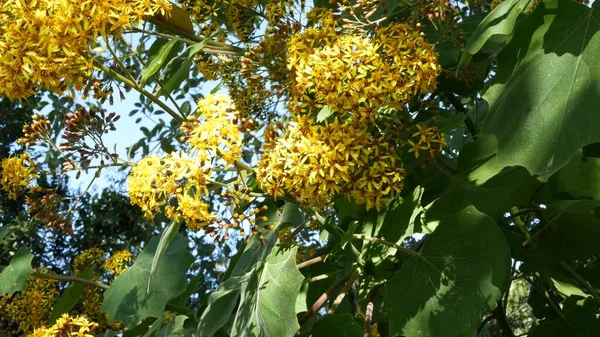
(399, 221)
(128, 301)
(325, 113)
(291, 215)
(157, 61)
(166, 238)
(501, 21)
(342, 325)
(14, 276)
(69, 298)
(460, 194)
(174, 328)
(221, 304)
(277, 291)
(462, 271)
(579, 320)
(541, 99)
(178, 69)
(580, 179)
(223, 301)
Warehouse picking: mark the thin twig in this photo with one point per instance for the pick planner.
(542, 230)
(340, 297)
(368, 319)
(69, 279)
(322, 276)
(386, 243)
(137, 87)
(311, 261)
(322, 299)
(460, 108)
(583, 282)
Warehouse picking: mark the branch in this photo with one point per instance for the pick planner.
(311, 261)
(141, 90)
(460, 108)
(386, 243)
(583, 282)
(322, 299)
(70, 279)
(368, 319)
(342, 294)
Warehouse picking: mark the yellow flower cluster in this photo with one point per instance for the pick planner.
(316, 162)
(67, 326)
(30, 308)
(347, 71)
(157, 181)
(426, 139)
(212, 132)
(355, 77)
(17, 174)
(93, 257)
(46, 44)
(118, 262)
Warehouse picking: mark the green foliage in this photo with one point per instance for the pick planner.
(14, 276)
(541, 93)
(70, 297)
(131, 297)
(462, 271)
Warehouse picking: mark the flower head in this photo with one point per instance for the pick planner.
(17, 174)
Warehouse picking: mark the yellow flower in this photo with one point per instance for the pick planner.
(213, 133)
(67, 326)
(314, 163)
(47, 44)
(17, 174)
(31, 307)
(118, 262)
(156, 181)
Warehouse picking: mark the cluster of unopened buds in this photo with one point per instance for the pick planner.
(44, 204)
(243, 217)
(37, 131)
(86, 124)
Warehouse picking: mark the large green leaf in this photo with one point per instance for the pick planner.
(267, 303)
(462, 271)
(128, 299)
(166, 238)
(578, 320)
(14, 276)
(222, 302)
(278, 287)
(542, 99)
(178, 69)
